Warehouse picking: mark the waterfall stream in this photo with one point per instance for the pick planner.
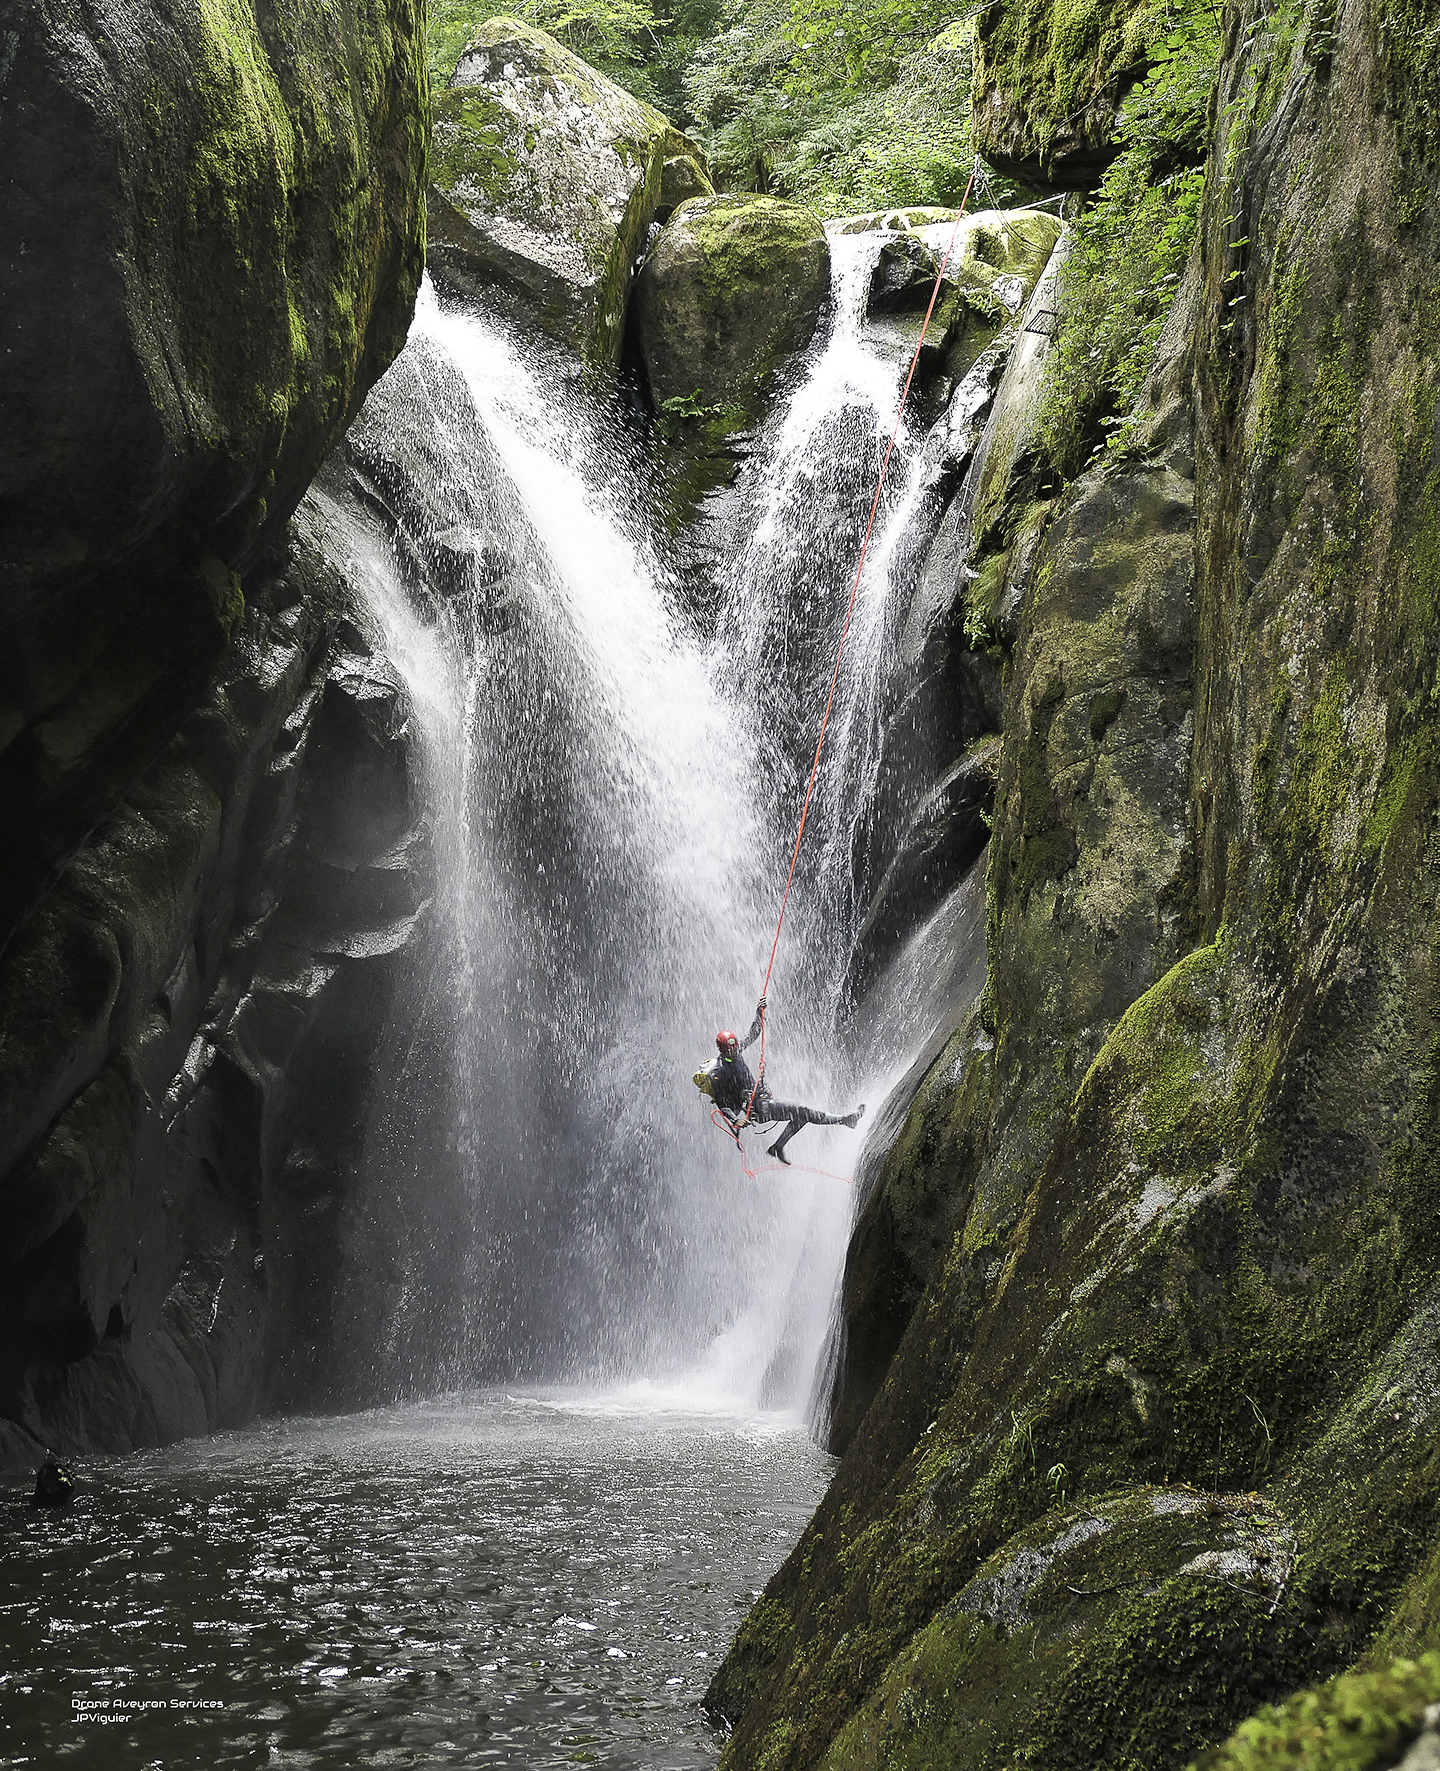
(593, 1333)
(613, 800)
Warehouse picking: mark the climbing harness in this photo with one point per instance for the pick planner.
(736, 1127)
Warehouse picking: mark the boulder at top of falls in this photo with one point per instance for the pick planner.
(684, 175)
(733, 286)
(544, 179)
(995, 263)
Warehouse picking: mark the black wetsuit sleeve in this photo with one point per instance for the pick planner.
(753, 1034)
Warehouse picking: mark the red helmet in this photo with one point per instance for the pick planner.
(728, 1043)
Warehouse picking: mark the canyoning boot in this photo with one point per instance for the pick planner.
(777, 1150)
(853, 1119)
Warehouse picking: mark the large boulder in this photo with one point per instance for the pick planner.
(545, 178)
(211, 227)
(733, 286)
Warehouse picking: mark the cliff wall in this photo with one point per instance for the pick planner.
(211, 234)
(1156, 1248)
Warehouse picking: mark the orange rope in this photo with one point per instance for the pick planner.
(844, 632)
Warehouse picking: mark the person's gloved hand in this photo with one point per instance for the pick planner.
(760, 1006)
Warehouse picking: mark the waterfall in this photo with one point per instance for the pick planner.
(613, 799)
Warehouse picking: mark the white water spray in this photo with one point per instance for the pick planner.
(613, 805)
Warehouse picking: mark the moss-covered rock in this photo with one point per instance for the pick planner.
(685, 174)
(1049, 77)
(1362, 1721)
(990, 245)
(544, 178)
(1175, 1180)
(733, 286)
(996, 260)
(211, 234)
(731, 290)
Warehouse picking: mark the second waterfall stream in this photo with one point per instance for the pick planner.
(612, 802)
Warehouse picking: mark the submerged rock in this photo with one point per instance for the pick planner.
(733, 286)
(544, 179)
(54, 1486)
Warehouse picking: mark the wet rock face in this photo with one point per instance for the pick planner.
(544, 178)
(1163, 1209)
(733, 286)
(1049, 78)
(211, 231)
(211, 228)
(186, 1026)
(928, 817)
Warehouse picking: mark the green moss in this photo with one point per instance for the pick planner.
(1400, 796)
(1053, 59)
(1104, 711)
(1280, 412)
(1037, 844)
(1421, 569)
(475, 143)
(1353, 1723)
(1403, 33)
(279, 179)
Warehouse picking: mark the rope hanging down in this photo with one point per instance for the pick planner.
(845, 629)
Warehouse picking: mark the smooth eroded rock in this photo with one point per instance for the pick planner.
(210, 240)
(544, 178)
(211, 235)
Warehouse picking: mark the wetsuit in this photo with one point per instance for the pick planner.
(732, 1083)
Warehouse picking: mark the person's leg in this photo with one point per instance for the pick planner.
(797, 1116)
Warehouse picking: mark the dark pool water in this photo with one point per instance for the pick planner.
(482, 1580)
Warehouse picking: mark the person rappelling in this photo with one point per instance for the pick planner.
(728, 1081)
(740, 1098)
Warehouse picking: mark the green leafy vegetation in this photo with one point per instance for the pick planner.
(841, 104)
(1131, 244)
(622, 38)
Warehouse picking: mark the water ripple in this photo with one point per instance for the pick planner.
(483, 1580)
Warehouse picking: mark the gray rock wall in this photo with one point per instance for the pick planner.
(211, 229)
(186, 1027)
